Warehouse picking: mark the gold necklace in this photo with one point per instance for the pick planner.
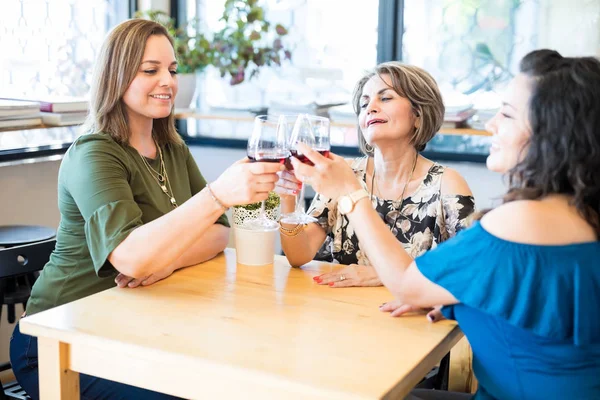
(401, 198)
(161, 176)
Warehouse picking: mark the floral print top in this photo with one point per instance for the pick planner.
(419, 222)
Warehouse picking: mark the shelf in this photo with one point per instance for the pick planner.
(194, 115)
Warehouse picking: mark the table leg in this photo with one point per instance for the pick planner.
(462, 378)
(56, 380)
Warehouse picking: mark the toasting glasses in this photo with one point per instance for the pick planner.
(268, 143)
(314, 132)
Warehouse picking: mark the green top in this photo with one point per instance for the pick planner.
(104, 192)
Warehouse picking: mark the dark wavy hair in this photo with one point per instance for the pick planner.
(563, 153)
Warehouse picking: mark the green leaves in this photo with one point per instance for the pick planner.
(246, 43)
(271, 203)
(192, 50)
(251, 42)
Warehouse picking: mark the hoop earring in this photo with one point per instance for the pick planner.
(369, 148)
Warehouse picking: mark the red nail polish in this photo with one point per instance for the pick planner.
(316, 278)
(330, 283)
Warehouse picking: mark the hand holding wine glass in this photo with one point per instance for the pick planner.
(312, 131)
(268, 143)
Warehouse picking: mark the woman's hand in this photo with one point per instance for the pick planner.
(245, 182)
(331, 176)
(126, 281)
(352, 275)
(396, 309)
(287, 184)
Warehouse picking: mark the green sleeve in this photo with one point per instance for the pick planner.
(97, 180)
(197, 182)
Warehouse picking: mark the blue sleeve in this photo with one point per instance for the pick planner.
(538, 288)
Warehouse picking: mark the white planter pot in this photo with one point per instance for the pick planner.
(185, 93)
(254, 247)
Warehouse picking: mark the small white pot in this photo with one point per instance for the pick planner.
(255, 247)
(185, 93)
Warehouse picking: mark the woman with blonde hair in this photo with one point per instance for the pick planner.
(134, 206)
(399, 109)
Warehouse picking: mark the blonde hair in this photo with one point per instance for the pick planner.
(117, 65)
(416, 85)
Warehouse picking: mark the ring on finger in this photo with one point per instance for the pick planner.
(342, 277)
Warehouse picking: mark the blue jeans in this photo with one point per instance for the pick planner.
(24, 360)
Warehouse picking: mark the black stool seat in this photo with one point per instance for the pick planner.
(16, 290)
(18, 235)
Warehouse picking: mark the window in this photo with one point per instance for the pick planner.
(51, 46)
(473, 47)
(330, 51)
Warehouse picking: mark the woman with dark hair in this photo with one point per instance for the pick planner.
(399, 109)
(524, 281)
(134, 206)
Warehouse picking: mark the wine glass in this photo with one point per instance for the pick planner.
(268, 143)
(314, 132)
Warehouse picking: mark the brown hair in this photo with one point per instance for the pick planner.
(117, 65)
(416, 85)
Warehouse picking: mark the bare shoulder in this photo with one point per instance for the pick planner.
(537, 222)
(454, 183)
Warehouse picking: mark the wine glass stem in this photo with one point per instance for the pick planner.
(263, 215)
(300, 201)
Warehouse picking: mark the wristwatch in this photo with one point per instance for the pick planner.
(346, 203)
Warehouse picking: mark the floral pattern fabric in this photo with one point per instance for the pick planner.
(419, 222)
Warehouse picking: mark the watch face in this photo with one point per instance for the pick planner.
(345, 204)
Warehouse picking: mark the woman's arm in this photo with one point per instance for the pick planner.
(299, 247)
(333, 177)
(156, 245)
(208, 246)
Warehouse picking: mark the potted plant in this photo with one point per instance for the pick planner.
(246, 212)
(247, 41)
(192, 50)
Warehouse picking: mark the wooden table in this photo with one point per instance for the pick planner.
(221, 330)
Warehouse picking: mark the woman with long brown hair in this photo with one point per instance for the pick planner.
(134, 206)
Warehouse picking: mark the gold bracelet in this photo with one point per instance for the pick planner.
(291, 232)
(215, 197)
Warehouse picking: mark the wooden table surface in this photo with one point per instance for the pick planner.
(225, 330)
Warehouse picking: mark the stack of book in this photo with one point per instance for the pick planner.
(457, 116)
(459, 108)
(60, 111)
(487, 105)
(19, 114)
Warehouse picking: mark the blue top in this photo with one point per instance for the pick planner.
(530, 313)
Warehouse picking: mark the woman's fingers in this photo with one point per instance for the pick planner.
(403, 309)
(150, 280)
(314, 156)
(122, 280)
(289, 176)
(259, 168)
(435, 315)
(326, 278)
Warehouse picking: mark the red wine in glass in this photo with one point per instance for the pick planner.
(280, 158)
(303, 158)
